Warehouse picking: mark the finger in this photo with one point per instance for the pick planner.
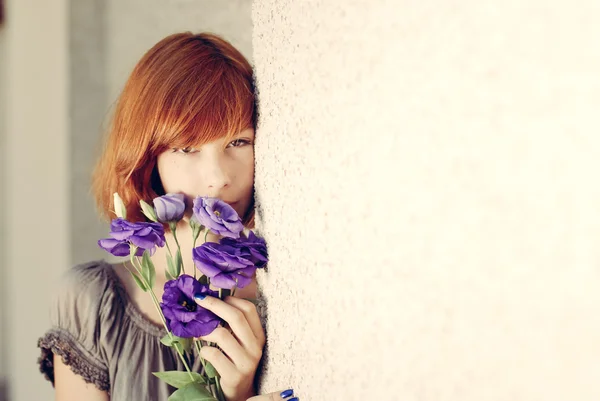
(232, 348)
(276, 396)
(235, 318)
(249, 310)
(227, 370)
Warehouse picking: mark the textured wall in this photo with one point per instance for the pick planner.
(107, 38)
(427, 182)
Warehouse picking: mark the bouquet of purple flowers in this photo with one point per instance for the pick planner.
(226, 265)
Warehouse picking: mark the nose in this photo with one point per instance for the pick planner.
(216, 175)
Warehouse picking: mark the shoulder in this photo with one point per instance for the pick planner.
(83, 289)
(83, 295)
(82, 310)
(87, 302)
(86, 275)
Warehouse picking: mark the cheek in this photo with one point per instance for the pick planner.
(170, 172)
(246, 171)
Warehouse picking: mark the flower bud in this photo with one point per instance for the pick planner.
(196, 228)
(169, 207)
(148, 211)
(119, 206)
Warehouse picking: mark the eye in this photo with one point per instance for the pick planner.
(185, 151)
(239, 142)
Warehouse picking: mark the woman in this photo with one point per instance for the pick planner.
(184, 123)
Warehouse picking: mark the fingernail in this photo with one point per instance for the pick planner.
(199, 297)
(287, 393)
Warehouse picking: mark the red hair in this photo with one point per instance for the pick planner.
(187, 90)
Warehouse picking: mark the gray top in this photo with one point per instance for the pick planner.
(104, 338)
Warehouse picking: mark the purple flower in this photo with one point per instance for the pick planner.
(145, 236)
(226, 265)
(218, 217)
(253, 247)
(185, 318)
(169, 207)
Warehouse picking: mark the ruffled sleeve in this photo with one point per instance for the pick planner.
(76, 330)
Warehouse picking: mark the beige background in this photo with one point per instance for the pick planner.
(3, 300)
(426, 181)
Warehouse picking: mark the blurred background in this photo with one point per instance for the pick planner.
(62, 66)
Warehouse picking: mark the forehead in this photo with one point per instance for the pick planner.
(222, 140)
(246, 132)
(199, 135)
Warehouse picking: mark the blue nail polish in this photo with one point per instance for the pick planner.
(199, 297)
(293, 399)
(287, 393)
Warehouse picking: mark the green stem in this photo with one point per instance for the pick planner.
(206, 235)
(179, 248)
(169, 248)
(194, 246)
(162, 317)
(219, 390)
(170, 253)
(198, 343)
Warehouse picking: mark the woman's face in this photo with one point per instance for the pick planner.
(216, 169)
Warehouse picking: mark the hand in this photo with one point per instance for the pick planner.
(276, 396)
(242, 347)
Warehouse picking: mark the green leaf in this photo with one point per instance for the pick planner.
(166, 340)
(139, 282)
(168, 275)
(180, 343)
(186, 343)
(192, 392)
(178, 346)
(148, 270)
(178, 262)
(179, 379)
(211, 372)
(171, 267)
(148, 211)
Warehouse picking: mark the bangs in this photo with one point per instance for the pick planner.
(206, 107)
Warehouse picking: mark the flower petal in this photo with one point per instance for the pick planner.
(117, 248)
(243, 281)
(199, 329)
(223, 281)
